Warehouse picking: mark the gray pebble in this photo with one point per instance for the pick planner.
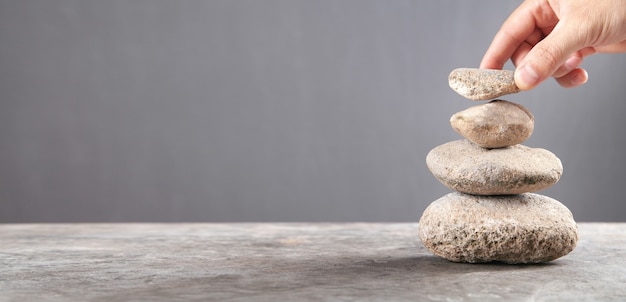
(495, 124)
(467, 168)
(482, 84)
(525, 228)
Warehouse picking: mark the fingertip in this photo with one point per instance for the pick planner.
(580, 77)
(574, 78)
(490, 63)
(573, 62)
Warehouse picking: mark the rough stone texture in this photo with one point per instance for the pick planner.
(287, 262)
(482, 84)
(525, 228)
(495, 124)
(465, 167)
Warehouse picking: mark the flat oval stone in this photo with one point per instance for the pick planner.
(482, 84)
(495, 124)
(525, 228)
(465, 167)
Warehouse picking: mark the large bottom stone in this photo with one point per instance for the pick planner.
(525, 228)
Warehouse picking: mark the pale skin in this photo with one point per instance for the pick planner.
(550, 38)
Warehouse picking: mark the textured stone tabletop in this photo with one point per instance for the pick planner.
(286, 262)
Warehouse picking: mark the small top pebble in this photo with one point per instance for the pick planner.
(482, 84)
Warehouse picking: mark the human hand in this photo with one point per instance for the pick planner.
(546, 38)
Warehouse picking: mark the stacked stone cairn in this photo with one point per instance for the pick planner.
(493, 214)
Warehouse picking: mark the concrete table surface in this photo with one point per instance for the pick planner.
(287, 262)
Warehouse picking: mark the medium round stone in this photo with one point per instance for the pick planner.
(495, 124)
(525, 228)
(482, 84)
(465, 167)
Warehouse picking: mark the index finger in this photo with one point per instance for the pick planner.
(517, 30)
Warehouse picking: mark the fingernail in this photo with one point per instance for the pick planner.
(527, 76)
(573, 62)
(580, 79)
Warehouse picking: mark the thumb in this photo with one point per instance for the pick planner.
(547, 55)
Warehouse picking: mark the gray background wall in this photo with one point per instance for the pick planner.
(235, 110)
